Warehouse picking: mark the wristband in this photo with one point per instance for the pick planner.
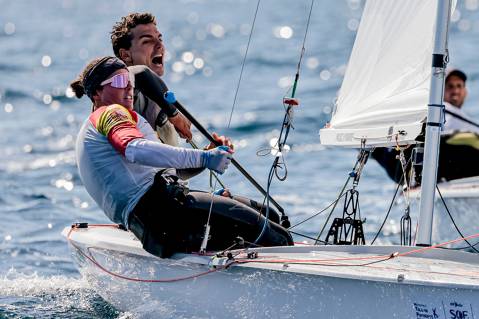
(171, 112)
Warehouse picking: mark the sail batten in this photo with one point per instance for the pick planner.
(387, 79)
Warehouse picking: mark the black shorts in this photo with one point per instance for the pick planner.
(150, 218)
(169, 219)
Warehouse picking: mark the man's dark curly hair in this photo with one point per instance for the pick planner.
(121, 33)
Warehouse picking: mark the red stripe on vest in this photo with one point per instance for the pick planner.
(96, 115)
(122, 134)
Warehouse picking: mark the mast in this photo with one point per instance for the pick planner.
(435, 119)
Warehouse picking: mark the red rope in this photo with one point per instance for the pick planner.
(166, 280)
(269, 260)
(329, 261)
(439, 245)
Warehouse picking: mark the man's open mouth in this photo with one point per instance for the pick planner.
(157, 60)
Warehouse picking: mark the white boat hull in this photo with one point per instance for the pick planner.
(389, 289)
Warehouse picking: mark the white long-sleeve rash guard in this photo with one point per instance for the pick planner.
(132, 137)
(119, 155)
(156, 154)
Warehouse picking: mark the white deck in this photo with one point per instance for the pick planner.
(432, 267)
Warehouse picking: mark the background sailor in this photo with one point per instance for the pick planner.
(455, 93)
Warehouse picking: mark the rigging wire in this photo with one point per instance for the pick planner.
(318, 213)
(341, 193)
(287, 124)
(460, 248)
(280, 143)
(303, 49)
(454, 223)
(406, 228)
(207, 226)
(404, 167)
(472, 246)
(389, 211)
(244, 62)
(287, 121)
(306, 236)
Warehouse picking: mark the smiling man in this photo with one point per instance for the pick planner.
(455, 93)
(455, 88)
(143, 43)
(137, 41)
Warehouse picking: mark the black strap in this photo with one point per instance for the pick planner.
(462, 118)
(151, 85)
(438, 60)
(161, 119)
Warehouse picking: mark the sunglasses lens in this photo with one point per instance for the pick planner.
(120, 81)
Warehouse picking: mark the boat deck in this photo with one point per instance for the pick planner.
(430, 266)
(395, 264)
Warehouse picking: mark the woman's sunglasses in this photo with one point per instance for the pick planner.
(119, 81)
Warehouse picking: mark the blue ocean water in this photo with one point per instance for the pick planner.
(44, 45)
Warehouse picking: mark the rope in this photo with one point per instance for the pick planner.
(403, 177)
(324, 262)
(440, 245)
(244, 62)
(453, 222)
(318, 213)
(207, 226)
(341, 193)
(389, 211)
(306, 236)
(379, 258)
(460, 248)
(285, 127)
(273, 260)
(462, 118)
(163, 280)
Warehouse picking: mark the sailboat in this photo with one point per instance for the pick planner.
(383, 101)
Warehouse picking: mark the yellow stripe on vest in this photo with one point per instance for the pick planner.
(113, 115)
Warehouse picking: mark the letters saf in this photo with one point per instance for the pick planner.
(459, 314)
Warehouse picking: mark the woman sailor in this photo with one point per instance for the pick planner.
(120, 158)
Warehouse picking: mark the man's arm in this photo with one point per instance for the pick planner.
(182, 125)
(151, 85)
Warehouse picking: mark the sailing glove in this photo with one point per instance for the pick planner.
(217, 159)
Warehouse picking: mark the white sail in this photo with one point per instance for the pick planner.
(384, 96)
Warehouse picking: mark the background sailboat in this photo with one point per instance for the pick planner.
(383, 102)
